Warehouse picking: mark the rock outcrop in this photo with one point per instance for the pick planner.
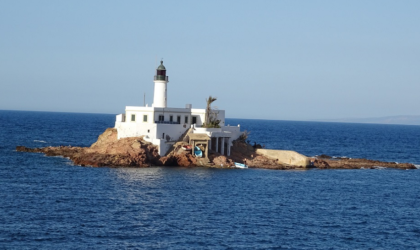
(327, 162)
(135, 152)
(106, 151)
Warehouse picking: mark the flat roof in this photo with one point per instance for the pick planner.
(199, 136)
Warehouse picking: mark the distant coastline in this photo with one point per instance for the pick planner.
(395, 120)
(391, 120)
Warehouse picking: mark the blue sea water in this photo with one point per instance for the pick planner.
(48, 203)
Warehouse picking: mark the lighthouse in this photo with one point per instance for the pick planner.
(162, 125)
(159, 98)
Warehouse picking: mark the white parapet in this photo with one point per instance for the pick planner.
(120, 118)
(207, 131)
(232, 132)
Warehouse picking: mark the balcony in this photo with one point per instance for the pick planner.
(161, 78)
(167, 122)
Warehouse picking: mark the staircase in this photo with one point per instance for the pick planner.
(183, 137)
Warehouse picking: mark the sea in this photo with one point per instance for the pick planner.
(49, 203)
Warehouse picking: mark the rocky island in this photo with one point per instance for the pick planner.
(159, 135)
(109, 151)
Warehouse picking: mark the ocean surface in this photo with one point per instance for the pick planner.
(48, 203)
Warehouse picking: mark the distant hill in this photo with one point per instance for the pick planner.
(401, 119)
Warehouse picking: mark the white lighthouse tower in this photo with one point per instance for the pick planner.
(159, 98)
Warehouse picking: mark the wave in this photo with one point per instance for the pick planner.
(40, 141)
(335, 157)
(340, 157)
(417, 166)
(379, 167)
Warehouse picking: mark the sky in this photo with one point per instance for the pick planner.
(280, 60)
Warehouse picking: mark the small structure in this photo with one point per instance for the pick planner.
(202, 141)
(163, 125)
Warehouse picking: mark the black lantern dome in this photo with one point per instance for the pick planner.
(161, 73)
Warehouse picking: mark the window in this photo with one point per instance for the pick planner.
(171, 118)
(194, 119)
(144, 118)
(186, 119)
(178, 119)
(133, 118)
(161, 118)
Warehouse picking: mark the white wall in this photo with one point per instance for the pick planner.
(200, 114)
(162, 145)
(133, 129)
(120, 118)
(173, 130)
(221, 117)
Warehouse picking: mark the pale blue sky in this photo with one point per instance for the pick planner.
(287, 60)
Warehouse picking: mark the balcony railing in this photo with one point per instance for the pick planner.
(167, 122)
(161, 78)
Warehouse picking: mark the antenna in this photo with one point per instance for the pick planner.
(144, 100)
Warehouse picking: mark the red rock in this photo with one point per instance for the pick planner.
(135, 152)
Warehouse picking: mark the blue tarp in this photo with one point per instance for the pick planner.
(198, 152)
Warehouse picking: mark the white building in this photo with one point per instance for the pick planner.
(163, 126)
